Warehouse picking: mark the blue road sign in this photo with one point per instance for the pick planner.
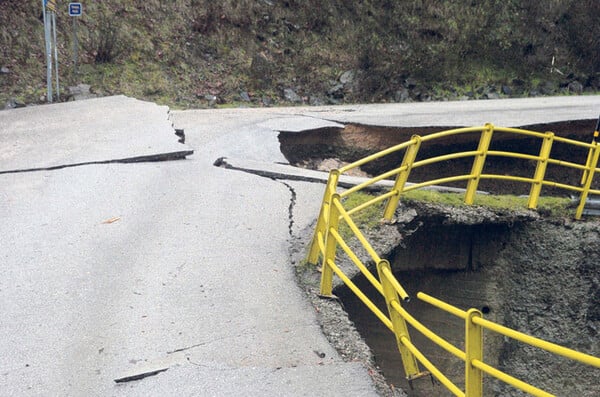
(75, 9)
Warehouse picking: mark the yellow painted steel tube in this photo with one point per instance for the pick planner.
(382, 317)
(374, 156)
(442, 305)
(409, 362)
(444, 157)
(403, 145)
(589, 177)
(440, 181)
(407, 162)
(372, 202)
(323, 219)
(456, 131)
(358, 262)
(394, 283)
(356, 231)
(519, 131)
(504, 377)
(567, 164)
(432, 336)
(540, 170)
(568, 187)
(432, 368)
(542, 344)
(573, 142)
(516, 155)
(479, 163)
(473, 351)
(321, 242)
(372, 181)
(508, 178)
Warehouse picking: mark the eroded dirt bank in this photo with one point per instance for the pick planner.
(537, 275)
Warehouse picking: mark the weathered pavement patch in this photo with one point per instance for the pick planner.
(102, 130)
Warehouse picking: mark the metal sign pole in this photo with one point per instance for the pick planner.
(55, 55)
(48, 51)
(75, 47)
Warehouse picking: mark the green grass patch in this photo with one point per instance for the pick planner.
(369, 217)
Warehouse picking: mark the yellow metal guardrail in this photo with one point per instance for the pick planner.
(327, 239)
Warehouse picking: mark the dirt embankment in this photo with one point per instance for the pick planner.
(536, 275)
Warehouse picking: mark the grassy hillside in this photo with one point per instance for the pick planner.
(192, 53)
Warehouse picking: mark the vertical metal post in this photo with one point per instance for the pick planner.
(540, 170)
(75, 47)
(409, 362)
(330, 246)
(53, 14)
(407, 162)
(479, 162)
(590, 169)
(48, 51)
(330, 189)
(589, 157)
(473, 351)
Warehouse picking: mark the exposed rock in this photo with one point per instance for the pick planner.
(575, 87)
(347, 77)
(80, 92)
(547, 87)
(244, 96)
(291, 96)
(13, 103)
(4, 70)
(336, 92)
(266, 101)
(261, 69)
(402, 95)
(212, 100)
(507, 90)
(316, 101)
(410, 82)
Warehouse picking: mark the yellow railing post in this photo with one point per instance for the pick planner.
(590, 170)
(473, 351)
(479, 162)
(330, 247)
(330, 189)
(409, 158)
(540, 170)
(411, 368)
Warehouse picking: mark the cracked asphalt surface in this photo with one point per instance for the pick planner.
(176, 269)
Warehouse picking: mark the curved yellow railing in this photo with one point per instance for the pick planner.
(327, 239)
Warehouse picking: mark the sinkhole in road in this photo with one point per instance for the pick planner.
(539, 276)
(330, 147)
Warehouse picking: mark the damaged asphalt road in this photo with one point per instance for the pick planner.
(178, 270)
(154, 278)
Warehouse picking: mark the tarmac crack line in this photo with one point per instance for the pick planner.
(139, 159)
(290, 208)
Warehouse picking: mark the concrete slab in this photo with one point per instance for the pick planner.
(110, 129)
